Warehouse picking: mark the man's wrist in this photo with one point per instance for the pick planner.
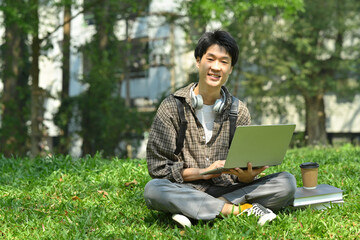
(192, 174)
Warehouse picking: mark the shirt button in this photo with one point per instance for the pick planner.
(207, 159)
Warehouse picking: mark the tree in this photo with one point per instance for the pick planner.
(312, 55)
(38, 94)
(202, 12)
(304, 53)
(245, 20)
(93, 105)
(104, 118)
(36, 91)
(16, 95)
(62, 117)
(21, 53)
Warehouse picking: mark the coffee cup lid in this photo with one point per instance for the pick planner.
(309, 165)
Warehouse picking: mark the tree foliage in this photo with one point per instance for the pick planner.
(203, 12)
(308, 51)
(312, 55)
(100, 111)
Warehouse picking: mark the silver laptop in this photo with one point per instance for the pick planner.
(262, 145)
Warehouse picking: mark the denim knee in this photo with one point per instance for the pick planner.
(289, 184)
(151, 191)
(288, 188)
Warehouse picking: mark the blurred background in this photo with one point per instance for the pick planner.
(80, 77)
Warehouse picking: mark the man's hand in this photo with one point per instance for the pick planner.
(248, 175)
(215, 165)
(192, 174)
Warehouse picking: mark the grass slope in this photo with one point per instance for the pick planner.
(96, 198)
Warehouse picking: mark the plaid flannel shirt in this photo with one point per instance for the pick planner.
(196, 153)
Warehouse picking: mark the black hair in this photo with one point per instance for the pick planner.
(221, 38)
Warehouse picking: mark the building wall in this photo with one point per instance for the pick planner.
(155, 27)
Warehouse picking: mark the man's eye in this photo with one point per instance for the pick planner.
(210, 59)
(225, 62)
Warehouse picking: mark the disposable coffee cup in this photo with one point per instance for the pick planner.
(309, 173)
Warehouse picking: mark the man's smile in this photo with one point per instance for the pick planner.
(214, 76)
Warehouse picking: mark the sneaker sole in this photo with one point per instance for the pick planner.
(181, 220)
(266, 218)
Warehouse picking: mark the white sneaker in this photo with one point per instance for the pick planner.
(181, 220)
(264, 214)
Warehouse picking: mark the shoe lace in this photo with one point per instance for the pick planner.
(257, 210)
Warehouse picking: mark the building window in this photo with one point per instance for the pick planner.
(138, 60)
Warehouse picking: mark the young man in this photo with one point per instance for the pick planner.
(177, 186)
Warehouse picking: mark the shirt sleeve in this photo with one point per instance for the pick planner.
(161, 160)
(243, 115)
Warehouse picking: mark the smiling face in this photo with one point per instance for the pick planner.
(214, 67)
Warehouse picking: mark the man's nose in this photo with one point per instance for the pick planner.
(216, 66)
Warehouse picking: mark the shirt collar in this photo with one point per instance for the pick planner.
(185, 93)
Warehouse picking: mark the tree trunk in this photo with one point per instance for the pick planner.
(15, 96)
(36, 105)
(172, 57)
(315, 120)
(10, 76)
(127, 64)
(66, 53)
(64, 144)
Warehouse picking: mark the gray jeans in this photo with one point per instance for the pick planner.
(273, 191)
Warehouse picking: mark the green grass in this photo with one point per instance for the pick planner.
(96, 198)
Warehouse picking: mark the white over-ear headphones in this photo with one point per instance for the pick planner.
(197, 101)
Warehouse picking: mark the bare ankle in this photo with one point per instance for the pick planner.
(229, 209)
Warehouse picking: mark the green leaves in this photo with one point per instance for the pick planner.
(225, 11)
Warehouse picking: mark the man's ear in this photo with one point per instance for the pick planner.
(231, 70)
(198, 62)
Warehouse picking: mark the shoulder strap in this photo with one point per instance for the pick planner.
(183, 126)
(233, 115)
